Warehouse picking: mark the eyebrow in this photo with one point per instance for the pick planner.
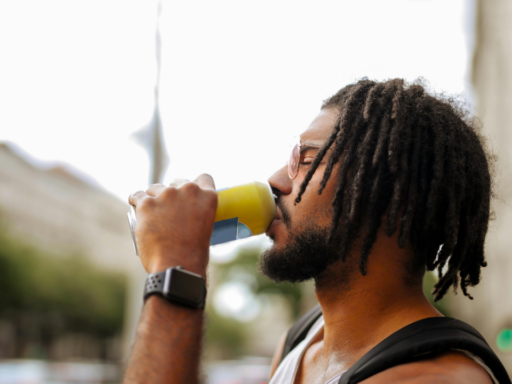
(309, 146)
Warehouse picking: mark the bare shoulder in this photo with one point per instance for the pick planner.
(446, 368)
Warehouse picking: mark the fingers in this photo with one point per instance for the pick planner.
(205, 181)
(155, 189)
(137, 197)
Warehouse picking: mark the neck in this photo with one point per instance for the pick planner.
(360, 311)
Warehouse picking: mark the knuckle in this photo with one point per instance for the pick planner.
(190, 188)
(133, 197)
(169, 192)
(146, 203)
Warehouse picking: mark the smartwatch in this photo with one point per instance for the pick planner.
(177, 285)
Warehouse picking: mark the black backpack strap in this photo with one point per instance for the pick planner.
(427, 336)
(300, 329)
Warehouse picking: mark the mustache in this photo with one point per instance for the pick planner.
(285, 214)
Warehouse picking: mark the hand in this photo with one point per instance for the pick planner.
(175, 223)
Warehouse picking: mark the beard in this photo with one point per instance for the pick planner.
(306, 255)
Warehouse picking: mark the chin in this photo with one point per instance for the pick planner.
(278, 245)
(298, 255)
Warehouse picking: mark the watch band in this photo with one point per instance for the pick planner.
(154, 284)
(177, 285)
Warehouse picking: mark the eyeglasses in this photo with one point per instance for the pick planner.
(293, 164)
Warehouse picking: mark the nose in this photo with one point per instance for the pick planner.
(280, 182)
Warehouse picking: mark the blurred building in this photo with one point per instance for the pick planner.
(491, 310)
(62, 212)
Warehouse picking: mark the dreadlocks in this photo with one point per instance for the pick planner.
(418, 159)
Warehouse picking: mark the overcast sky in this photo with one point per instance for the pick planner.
(239, 78)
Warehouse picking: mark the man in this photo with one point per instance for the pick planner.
(386, 183)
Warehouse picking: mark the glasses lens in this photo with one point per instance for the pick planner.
(293, 164)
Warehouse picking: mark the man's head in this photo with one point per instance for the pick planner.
(388, 151)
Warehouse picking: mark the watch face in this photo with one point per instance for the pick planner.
(186, 286)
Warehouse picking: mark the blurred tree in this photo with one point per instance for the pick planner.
(44, 296)
(225, 337)
(246, 263)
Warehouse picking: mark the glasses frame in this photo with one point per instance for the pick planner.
(294, 162)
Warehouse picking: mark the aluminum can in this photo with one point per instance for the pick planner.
(243, 211)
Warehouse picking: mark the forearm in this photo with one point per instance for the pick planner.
(174, 226)
(167, 348)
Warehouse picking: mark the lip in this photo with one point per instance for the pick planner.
(272, 225)
(278, 219)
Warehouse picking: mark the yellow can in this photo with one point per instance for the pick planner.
(243, 211)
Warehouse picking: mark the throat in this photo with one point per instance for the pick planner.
(360, 311)
(317, 367)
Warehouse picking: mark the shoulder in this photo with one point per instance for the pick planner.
(446, 368)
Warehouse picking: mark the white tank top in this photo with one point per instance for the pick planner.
(287, 370)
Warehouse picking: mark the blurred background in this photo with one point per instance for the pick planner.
(98, 99)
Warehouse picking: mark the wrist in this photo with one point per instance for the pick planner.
(177, 285)
(191, 262)
(158, 301)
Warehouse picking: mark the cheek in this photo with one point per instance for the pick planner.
(313, 207)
